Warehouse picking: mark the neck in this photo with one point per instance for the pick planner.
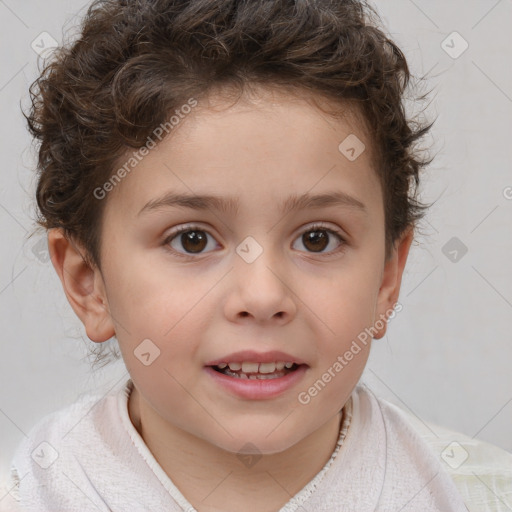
(212, 479)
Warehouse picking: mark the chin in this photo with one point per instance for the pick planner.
(250, 441)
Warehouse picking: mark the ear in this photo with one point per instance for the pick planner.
(391, 281)
(83, 286)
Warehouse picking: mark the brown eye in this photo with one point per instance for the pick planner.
(193, 241)
(190, 241)
(321, 240)
(315, 241)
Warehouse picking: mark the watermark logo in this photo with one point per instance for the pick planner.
(44, 455)
(249, 455)
(158, 133)
(455, 455)
(454, 45)
(40, 250)
(44, 44)
(249, 249)
(454, 249)
(146, 352)
(305, 397)
(351, 147)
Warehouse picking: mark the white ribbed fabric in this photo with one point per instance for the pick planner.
(481, 471)
(90, 457)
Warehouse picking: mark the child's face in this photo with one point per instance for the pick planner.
(308, 298)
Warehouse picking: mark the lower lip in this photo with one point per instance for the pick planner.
(256, 389)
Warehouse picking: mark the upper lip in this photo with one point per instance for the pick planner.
(251, 356)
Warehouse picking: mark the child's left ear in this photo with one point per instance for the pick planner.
(391, 281)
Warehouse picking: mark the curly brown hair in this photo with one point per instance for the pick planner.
(136, 61)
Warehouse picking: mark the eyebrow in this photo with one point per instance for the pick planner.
(231, 204)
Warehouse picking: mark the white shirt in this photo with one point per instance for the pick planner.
(89, 457)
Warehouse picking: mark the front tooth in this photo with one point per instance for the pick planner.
(288, 365)
(280, 365)
(268, 367)
(250, 367)
(235, 366)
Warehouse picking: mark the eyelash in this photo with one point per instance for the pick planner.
(190, 256)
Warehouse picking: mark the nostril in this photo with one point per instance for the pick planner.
(244, 314)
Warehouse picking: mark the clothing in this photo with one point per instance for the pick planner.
(484, 479)
(93, 458)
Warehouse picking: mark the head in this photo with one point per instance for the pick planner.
(230, 177)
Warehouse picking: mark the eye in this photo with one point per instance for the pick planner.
(190, 240)
(318, 238)
(187, 241)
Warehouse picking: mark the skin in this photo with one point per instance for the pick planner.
(310, 304)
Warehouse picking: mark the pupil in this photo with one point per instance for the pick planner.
(318, 240)
(193, 241)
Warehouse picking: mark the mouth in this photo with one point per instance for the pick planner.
(256, 371)
(253, 375)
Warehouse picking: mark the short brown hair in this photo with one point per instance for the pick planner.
(136, 61)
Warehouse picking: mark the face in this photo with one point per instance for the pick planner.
(247, 237)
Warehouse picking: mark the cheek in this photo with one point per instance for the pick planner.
(344, 303)
(159, 317)
(154, 299)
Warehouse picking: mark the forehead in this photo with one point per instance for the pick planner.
(270, 141)
(293, 114)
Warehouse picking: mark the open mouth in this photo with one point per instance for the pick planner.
(256, 371)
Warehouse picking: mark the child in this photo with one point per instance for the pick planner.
(229, 191)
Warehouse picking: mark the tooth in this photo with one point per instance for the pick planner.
(268, 367)
(222, 366)
(235, 366)
(250, 367)
(279, 365)
(273, 376)
(288, 365)
(242, 376)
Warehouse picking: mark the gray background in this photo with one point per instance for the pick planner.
(446, 356)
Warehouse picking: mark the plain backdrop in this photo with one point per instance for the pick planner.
(447, 355)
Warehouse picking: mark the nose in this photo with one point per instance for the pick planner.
(260, 291)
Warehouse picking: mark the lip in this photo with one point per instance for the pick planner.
(251, 356)
(257, 389)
